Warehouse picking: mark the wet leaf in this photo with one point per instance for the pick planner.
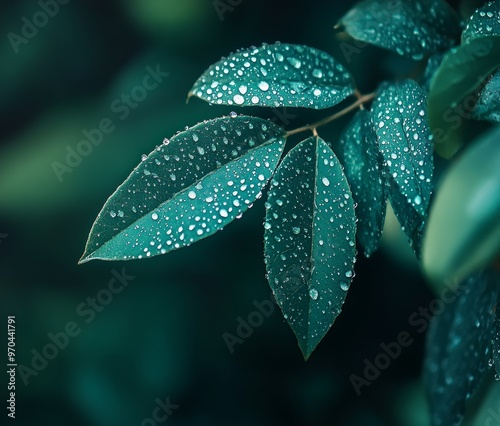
(458, 347)
(359, 153)
(405, 141)
(310, 240)
(462, 71)
(187, 189)
(488, 104)
(463, 232)
(496, 342)
(275, 75)
(485, 21)
(411, 28)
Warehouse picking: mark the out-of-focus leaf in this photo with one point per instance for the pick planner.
(412, 28)
(275, 75)
(310, 233)
(485, 21)
(433, 65)
(463, 232)
(459, 347)
(187, 189)
(405, 141)
(359, 153)
(488, 104)
(460, 74)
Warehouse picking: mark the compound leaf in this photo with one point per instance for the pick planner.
(275, 75)
(462, 71)
(485, 21)
(405, 141)
(310, 232)
(411, 28)
(458, 347)
(187, 189)
(359, 153)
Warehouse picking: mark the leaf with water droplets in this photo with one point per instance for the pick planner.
(405, 141)
(458, 346)
(310, 240)
(411, 28)
(462, 71)
(275, 75)
(485, 21)
(359, 153)
(187, 189)
(488, 103)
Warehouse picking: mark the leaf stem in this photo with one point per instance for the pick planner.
(312, 127)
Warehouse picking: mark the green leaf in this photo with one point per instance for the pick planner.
(411, 28)
(496, 342)
(459, 347)
(310, 240)
(488, 104)
(405, 141)
(433, 65)
(462, 71)
(187, 189)
(463, 232)
(484, 21)
(359, 153)
(275, 75)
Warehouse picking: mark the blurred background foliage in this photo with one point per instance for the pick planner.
(162, 336)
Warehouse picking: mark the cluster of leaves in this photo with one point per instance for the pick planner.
(319, 200)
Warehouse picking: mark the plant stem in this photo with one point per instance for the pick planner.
(312, 127)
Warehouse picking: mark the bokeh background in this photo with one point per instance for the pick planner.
(162, 336)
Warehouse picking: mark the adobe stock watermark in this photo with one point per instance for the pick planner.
(86, 311)
(224, 6)
(48, 9)
(391, 351)
(493, 417)
(121, 106)
(292, 280)
(161, 413)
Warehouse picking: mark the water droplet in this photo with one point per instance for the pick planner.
(144, 157)
(325, 181)
(344, 286)
(223, 213)
(263, 86)
(296, 230)
(238, 99)
(313, 293)
(154, 216)
(232, 114)
(192, 195)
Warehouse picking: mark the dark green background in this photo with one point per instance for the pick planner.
(162, 336)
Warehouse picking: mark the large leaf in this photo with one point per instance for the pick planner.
(410, 28)
(275, 75)
(359, 153)
(463, 233)
(405, 141)
(488, 103)
(187, 189)
(462, 71)
(459, 347)
(484, 22)
(310, 240)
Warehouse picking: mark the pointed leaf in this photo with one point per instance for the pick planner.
(309, 240)
(275, 75)
(485, 21)
(411, 28)
(459, 347)
(405, 141)
(187, 189)
(463, 233)
(488, 104)
(359, 153)
(462, 71)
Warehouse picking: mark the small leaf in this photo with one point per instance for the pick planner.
(405, 141)
(485, 21)
(411, 28)
(496, 342)
(275, 75)
(488, 104)
(459, 347)
(187, 189)
(361, 158)
(310, 240)
(463, 233)
(462, 71)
